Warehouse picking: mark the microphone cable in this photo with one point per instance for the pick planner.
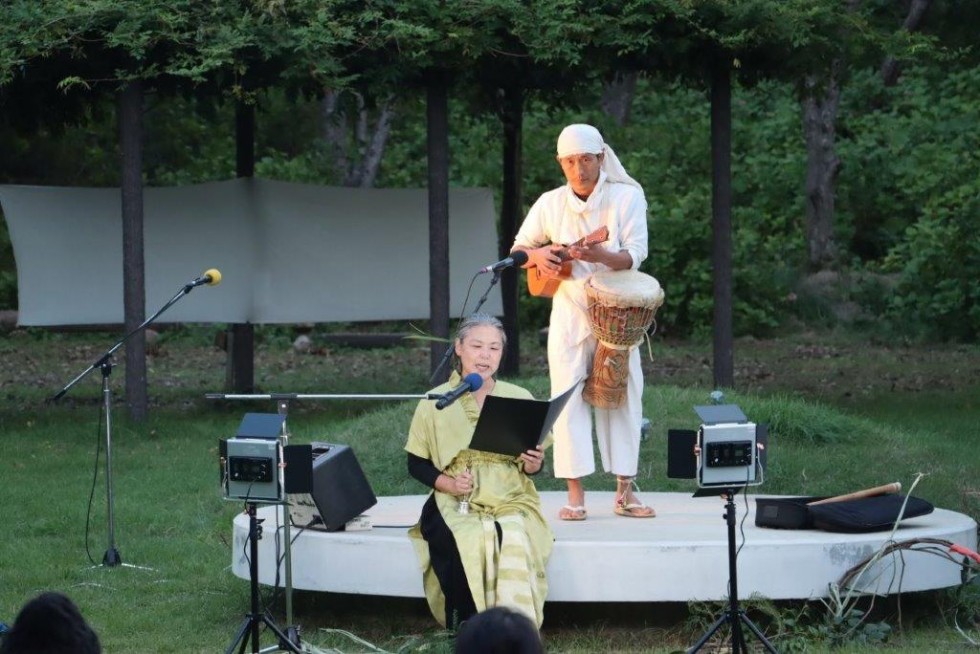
(91, 494)
(450, 350)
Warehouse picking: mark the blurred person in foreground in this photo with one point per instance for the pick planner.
(499, 631)
(50, 624)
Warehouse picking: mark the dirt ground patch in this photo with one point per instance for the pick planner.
(828, 367)
(824, 367)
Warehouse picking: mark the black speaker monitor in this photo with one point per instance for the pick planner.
(340, 491)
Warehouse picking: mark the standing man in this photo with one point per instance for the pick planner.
(599, 193)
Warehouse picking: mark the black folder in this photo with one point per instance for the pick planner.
(510, 425)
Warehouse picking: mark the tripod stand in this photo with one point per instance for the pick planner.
(249, 631)
(734, 616)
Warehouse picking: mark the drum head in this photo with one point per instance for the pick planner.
(625, 288)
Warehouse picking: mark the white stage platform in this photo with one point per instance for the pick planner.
(680, 555)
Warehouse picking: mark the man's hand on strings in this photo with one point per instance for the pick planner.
(545, 259)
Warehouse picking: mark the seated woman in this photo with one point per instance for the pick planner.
(496, 553)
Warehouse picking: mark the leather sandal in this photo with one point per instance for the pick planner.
(631, 509)
(572, 513)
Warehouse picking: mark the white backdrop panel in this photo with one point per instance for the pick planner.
(187, 230)
(287, 252)
(83, 226)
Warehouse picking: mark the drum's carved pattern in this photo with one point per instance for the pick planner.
(606, 386)
(622, 306)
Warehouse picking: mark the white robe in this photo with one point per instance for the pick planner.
(560, 217)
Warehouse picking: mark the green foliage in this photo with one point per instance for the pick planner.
(804, 423)
(900, 147)
(963, 608)
(935, 164)
(938, 293)
(672, 161)
(801, 629)
(8, 289)
(852, 627)
(794, 627)
(906, 193)
(8, 272)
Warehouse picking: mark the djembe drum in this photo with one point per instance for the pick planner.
(622, 306)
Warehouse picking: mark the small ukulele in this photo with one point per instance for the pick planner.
(540, 285)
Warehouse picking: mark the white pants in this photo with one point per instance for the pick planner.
(617, 430)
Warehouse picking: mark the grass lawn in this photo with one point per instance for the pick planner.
(844, 415)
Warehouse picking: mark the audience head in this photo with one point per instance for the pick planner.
(499, 630)
(50, 624)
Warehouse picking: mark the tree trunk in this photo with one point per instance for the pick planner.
(617, 96)
(352, 169)
(891, 68)
(820, 106)
(512, 118)
(721, 211)
(240, 361)
(333, 130)
(437, 114)
(375, 146)
(134, 279)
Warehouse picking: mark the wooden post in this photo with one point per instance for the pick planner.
(721, 211)
(130, 119)
(512, 117)
(240, 361)
(437, 113)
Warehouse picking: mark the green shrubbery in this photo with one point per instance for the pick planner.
(8, 273)
(937, 260)
(908, 198)
(907, 203)
(914, 204)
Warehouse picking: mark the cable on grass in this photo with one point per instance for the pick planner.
(852, 581)
(346, 634)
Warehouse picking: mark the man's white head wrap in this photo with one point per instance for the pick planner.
(586, 139)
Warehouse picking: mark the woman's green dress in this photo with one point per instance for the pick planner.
(509, 572)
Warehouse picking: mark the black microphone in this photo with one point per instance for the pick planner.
(471, 382)
(211, 277)
(518, 258)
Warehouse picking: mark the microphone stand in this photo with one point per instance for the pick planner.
(479, 303)
(104, 363)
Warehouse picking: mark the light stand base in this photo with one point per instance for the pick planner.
(249, 630)
(734, 616)
(736, 622)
